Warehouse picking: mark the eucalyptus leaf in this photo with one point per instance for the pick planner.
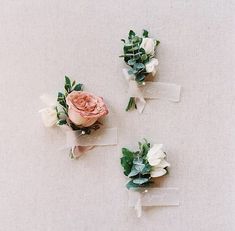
(138, 161)
(139, 167)
(130, 72)
(130, 185)
(139, 66)
(131, 62)
(140, 78)
(133, 172)
(140, 181)
(144, 57)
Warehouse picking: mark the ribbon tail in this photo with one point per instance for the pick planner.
(78, 151)
(140, 104)
(138, 207)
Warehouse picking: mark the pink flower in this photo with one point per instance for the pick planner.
(85, 108)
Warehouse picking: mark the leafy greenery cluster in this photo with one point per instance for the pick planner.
(136, 58)
(62, 110)
(136, 166)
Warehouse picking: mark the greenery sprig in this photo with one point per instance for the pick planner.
(62, 110)
(136, 58)
(137, 167)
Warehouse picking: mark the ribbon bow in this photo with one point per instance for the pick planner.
(151, 90)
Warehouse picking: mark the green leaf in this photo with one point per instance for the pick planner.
(60, 96)
(61, 122)
(78, 87)
(127, 153)
(144, 57)
(142, 51)
(131, 104)
(130, 185)
(131, 62)
(127, 160)
(138, 160)
(133, 172)
(131, 34)
(135, 39)
(157, 42)
(139, 66)
(144, 148)
(146, 170)
(135, 48)
(140, 78)
(145, 33)
(130, 72)
(67, 81)
(139, 167)
(67, 85)
(140, 181)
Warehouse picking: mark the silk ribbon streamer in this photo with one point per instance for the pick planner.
(81, 143)
(153, 197)
(151, 90)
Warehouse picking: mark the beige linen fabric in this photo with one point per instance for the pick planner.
(41, 189)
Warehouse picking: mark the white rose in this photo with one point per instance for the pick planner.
(149, 45)
(49, 116)
(156, 158)
(151, 66)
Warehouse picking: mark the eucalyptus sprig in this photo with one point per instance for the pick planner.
(142, 165)
(136, 166)
(136, 57)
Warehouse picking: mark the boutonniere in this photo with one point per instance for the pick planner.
(139, 55)
(142, 167)
(78, 113)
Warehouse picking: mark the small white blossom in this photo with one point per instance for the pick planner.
(148, 44)
(156, 158)
(151, 66)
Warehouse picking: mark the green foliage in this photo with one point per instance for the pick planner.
(69, 86)
(136, 166)
(127, 160)
(131, 104)
(136, 58)
(145, 33)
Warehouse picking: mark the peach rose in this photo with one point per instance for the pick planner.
(85, 108)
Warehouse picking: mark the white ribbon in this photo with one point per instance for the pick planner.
(151, 90)
(80, 143)
(153, 197)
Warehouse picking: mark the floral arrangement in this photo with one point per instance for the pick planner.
(143, 165)
(138, 54)
(75, 110)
